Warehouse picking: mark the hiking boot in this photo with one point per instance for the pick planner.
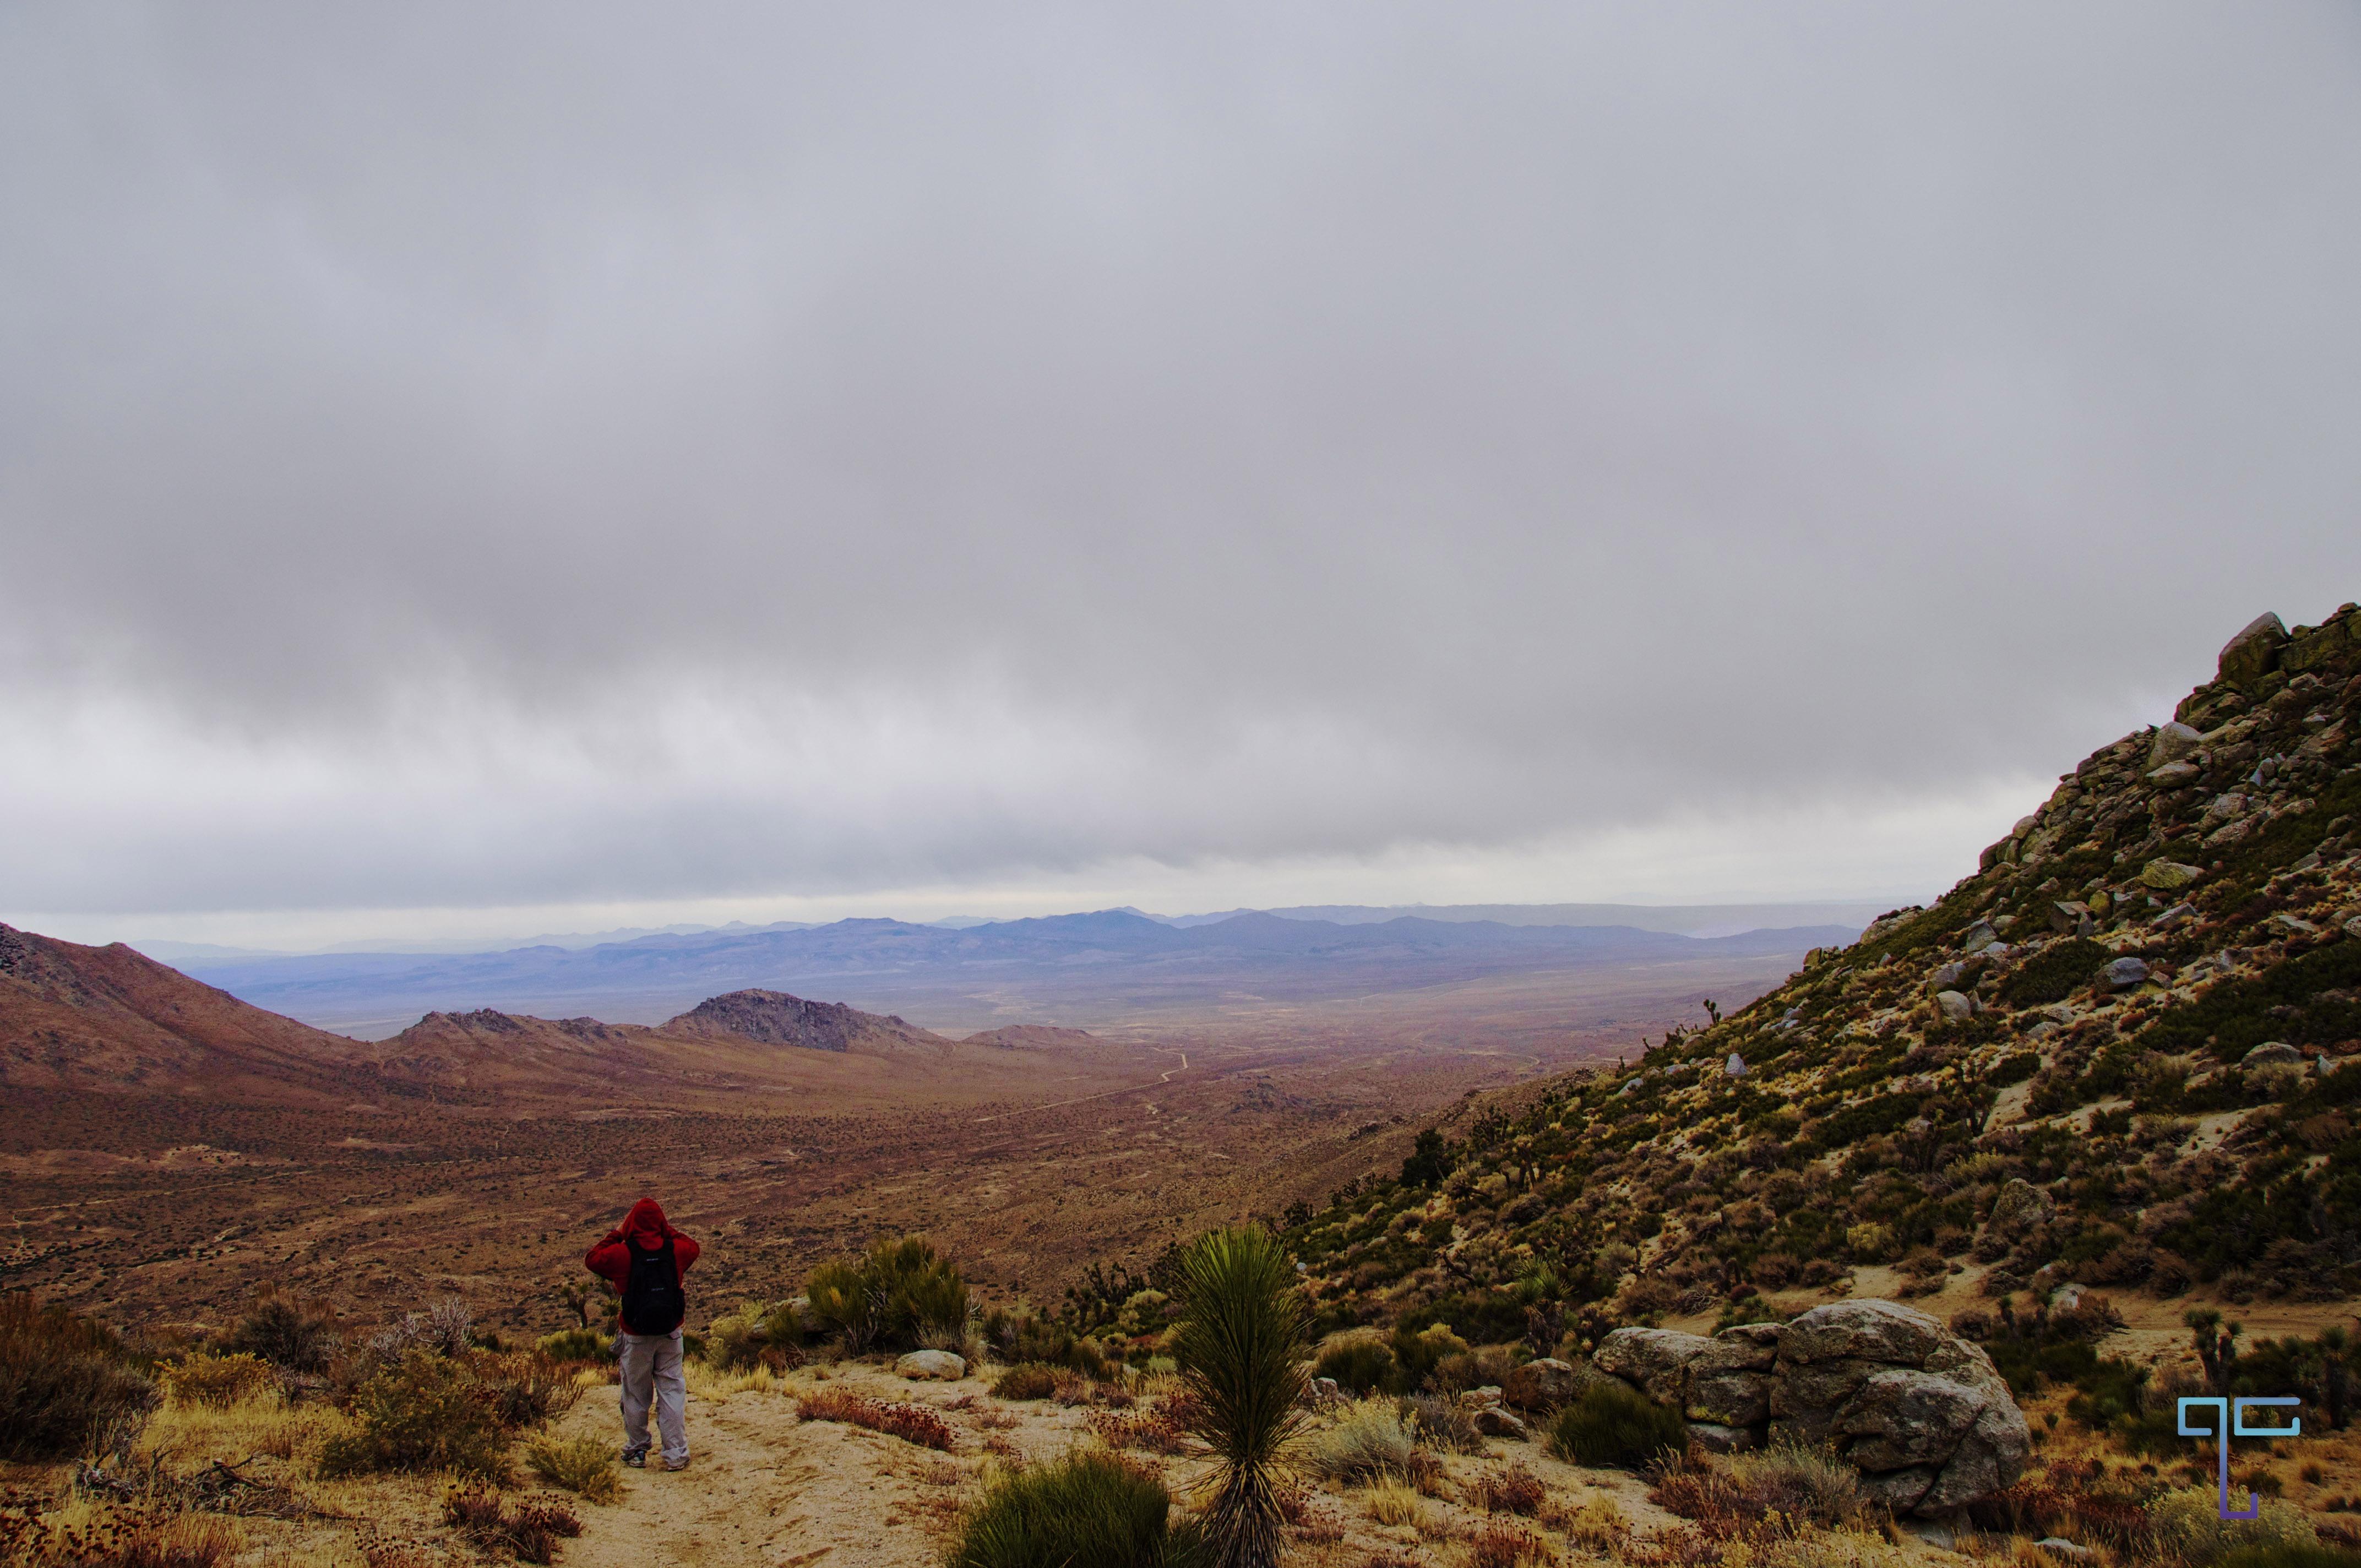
(637, 1458)
(680, 1463)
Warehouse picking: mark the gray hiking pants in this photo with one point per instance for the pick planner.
(651, 1365)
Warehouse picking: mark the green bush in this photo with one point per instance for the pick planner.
(422, 1415)
(582, 1465)
(300, 1336)
(2054, 975)
(65, 1387)
(1614, 1425)
(1087, 1508)
(1358, 1365)
(898, 1295)
(1031, 1380)
(736, 1341)
(576, 1345)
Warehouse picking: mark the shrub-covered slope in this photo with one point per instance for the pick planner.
(2126, 1051)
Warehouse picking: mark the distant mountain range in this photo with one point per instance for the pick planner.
(1059, 969)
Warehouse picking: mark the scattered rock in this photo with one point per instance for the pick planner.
(2061, 1546)
(1735, 1067)
(1947, 977)
(2178, 915)
(2020, 1202)
(1979, 937)
(1546, 1383)
(2173, 774)
(2125, 972)
(2069, 915)
(2165, 875)
(924, 1364)
(2270, 1051)
(1494, 1421)
(2172, 743)
(1955, 1005)
(1717, 1438)
(2254, 651)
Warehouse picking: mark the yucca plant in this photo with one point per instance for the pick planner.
(1239, 1347)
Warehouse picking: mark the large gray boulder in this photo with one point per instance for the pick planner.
(921, 1365)
(1546, 1383)
(2250, 655)
(1919, 1411)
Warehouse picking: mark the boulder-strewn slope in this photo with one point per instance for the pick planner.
(2125, 1051)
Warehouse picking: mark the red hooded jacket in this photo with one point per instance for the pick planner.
(646, 1225)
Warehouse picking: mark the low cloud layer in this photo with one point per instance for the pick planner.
(567, 457)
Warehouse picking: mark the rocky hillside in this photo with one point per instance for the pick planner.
(80, 1017)
(775, 1019)
(2125, 1051)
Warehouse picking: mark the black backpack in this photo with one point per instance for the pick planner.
(653, 1302)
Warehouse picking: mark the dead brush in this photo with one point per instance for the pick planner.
(1599, 1525)
(911, 1423)
(1498, 1543)
(1154, 1431)
(142, 1537)
(1513, 1490)
(1770, 1496)
(582, 1465)
(530, 1531)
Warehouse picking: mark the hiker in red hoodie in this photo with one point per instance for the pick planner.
(643, 1259)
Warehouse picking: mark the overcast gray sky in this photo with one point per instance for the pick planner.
(470, 467)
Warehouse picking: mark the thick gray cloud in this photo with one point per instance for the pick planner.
(460, 455)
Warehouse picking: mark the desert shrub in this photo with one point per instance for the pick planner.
(911, 1423)
(299, 1335)
(524, 1388)
(576, 1345)
(422, 1415)
(2053, 974)
(1514, 1490)
(444, 1329)
(896, 1295)
(1614, 1425)
(1030, 1381)
(1462, 1370)
(739, 1340)
(1236, 1344)
(1368, 1442)
(216, 1381)
(582, 1465)
(1419, 1350)
(65, 1387)
(530, 1531)
(1764, 1495)
(1360, 1366)
(1084, 1509)
(2187, 1524)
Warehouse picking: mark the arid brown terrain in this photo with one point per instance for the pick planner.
(480, 1153)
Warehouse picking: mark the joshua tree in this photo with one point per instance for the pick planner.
(1239, 1347)
(2216, 1346)
(1711, 1011)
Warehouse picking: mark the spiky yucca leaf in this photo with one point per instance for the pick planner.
(1240, 1347)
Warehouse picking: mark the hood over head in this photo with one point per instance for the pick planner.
(646, 1224)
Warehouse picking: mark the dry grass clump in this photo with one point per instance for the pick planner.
(219, 1381)
(1771, 1494)
(1368, 1442)
(265, 1426)
(911, 1423)
(530, 1531)
(709, 1384)
(1392, 1502)
(1444, 1424)
(582, 1465)
(2187, 1524)
(1599, 1525)
(87, 1535)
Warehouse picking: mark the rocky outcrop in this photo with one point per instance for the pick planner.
(921, 1365)
(1918, 1410)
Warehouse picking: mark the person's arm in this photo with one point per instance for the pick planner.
(683, 1252)
(610, 1260)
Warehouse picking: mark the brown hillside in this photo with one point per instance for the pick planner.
(109, 1018)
